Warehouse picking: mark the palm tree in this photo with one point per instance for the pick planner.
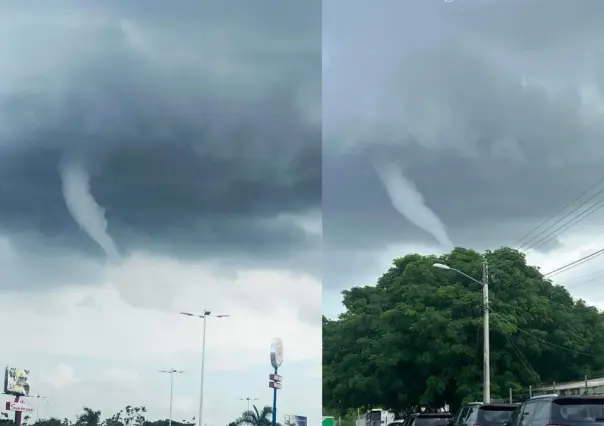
(255, 417)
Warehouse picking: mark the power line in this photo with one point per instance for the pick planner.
(583, 279)
(520, 243)
(568, 224)
(527, 365)
(545, 342)
(574, 263)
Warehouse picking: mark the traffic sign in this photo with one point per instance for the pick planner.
(275, 378)
(275, 385)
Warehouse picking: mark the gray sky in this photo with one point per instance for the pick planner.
(157, 158)
(493, 110)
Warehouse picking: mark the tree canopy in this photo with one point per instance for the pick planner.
(415, 338)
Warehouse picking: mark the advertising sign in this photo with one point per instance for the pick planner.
(16, 381)
(19, 405)
(277, 353)
(300, 421)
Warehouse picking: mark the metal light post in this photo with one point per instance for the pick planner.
(248, 399)
(38, 407)
(486, 329)
(171, 372)
(203, 316)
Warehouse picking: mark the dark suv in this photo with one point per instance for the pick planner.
(554, 410)
(428, 419)
(479, 414)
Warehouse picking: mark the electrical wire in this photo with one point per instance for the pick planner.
(566, 225)
(520, 243)
(574, 263)
(584, 279)
(527, 365)
(545, 342)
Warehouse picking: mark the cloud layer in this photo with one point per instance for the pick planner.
(492, 109)
(155, 158)
(171, 118)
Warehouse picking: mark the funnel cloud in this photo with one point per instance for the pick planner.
(494, 109)
(85, 211)
(409, 202)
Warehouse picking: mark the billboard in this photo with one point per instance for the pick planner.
(16, 381)
(19, 405)
(300, 421)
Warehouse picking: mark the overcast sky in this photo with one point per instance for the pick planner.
(158, 157)
(482, 117)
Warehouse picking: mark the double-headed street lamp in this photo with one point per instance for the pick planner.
(248, 399)
(203, 316)
(171, 372)
(486, 330)
(45, 398)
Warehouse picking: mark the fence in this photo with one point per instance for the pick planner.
(580, 387)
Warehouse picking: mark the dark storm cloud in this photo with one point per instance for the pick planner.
(198, 122)
(465, 101)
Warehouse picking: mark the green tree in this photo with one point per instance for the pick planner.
(89, 417)
(5, 419)
(415, 338)
(256, 417)
(48, 422)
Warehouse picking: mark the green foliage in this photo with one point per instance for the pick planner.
(129, 416)
(135, 416)
(255, 417)
(415, 338)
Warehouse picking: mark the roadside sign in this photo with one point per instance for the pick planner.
(19, 405)
(328, 421)
(275, 381)
(277, 353)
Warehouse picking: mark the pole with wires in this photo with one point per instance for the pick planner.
(484, 283)
(486, 331)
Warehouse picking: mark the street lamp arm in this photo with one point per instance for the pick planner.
(467, 276)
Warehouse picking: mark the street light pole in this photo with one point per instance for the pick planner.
(248, 399)
(38, 407)
(171, 372)
(204, 317)
(484, 283)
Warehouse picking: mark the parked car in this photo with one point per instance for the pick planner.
(548, 410)
(428, 419)
(480, 414)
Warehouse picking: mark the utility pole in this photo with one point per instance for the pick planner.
(484, 283)
(486, 330)
(171, 372)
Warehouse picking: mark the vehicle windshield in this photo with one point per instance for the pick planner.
(578, 410)
(495, 415)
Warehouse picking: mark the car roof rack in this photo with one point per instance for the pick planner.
(547, 395)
